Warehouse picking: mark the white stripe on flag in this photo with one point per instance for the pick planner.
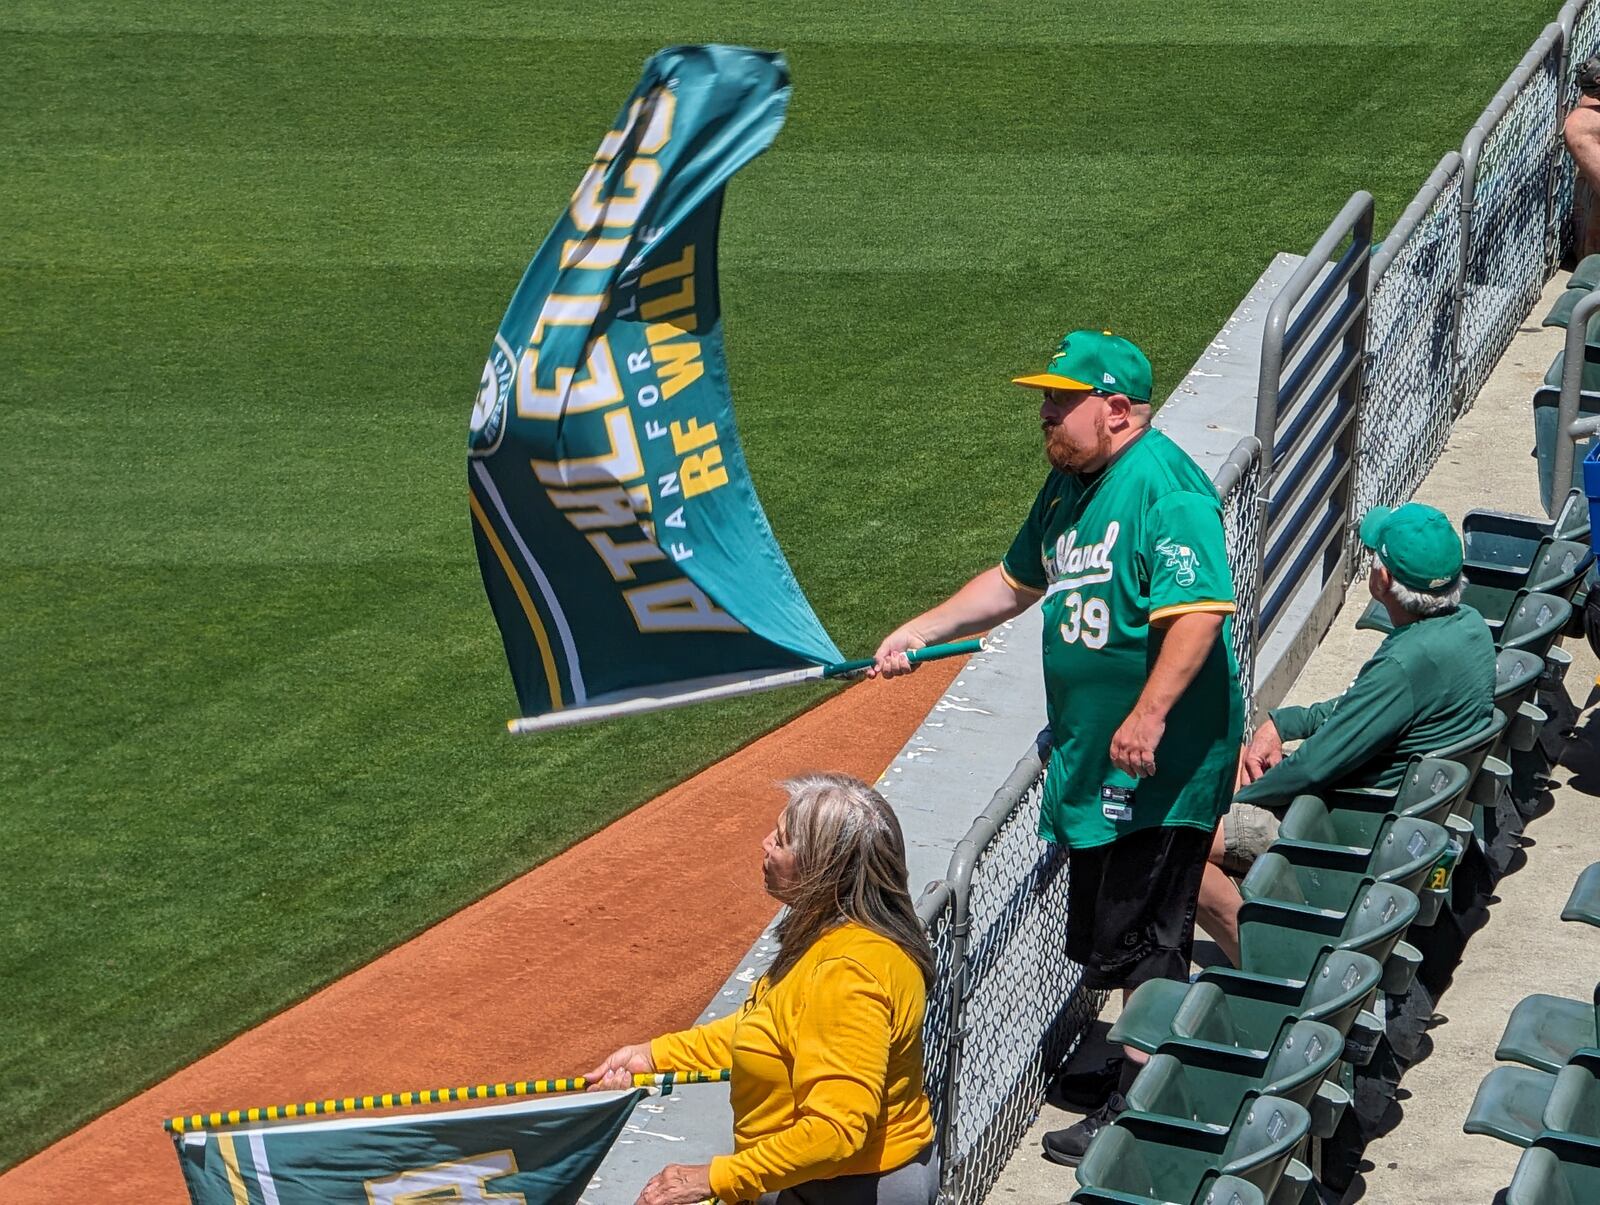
(580, 694)
(258, 1156)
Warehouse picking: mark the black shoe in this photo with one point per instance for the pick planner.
(1085, 1091)
(1068, 1147)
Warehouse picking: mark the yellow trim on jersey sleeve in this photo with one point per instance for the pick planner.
(1015, 584)
(1219, 608)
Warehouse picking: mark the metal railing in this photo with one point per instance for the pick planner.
(1306, 409)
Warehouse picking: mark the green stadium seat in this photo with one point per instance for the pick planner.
(1584, 902)
(1352, 818)
(1534, 623)
(1207, 1082)
(1509, 1105)
(1544, 1031)
(1516, 679)
(1286, 940)
(1154, 1158)
(1545, 1176)
(1331, 876)
(1224, 1190)
(1244, 1010)
(1586, 275)
(1518, 1104)
(1499, 540)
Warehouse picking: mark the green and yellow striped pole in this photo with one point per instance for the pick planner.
(665, 1080)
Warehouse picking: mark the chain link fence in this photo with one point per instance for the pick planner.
(1012, 1003)
(936, 910)
(1407, 395)
(1238, 484)
(1509, 207)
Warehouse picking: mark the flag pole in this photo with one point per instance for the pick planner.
(705, 690)
(665, 1080)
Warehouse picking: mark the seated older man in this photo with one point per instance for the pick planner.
(1429, 685)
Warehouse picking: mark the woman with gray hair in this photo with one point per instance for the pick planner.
(827, 1092)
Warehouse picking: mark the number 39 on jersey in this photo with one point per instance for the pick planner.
(1085, 619)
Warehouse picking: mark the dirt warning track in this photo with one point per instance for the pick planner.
(540, 978)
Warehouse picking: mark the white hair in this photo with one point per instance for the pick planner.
(1424, 604)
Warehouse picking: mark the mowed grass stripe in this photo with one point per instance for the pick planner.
(1357, 22)
(978, 210)
(250, 674)
(312, 97)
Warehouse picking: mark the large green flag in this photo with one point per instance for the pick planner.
(625, 554)
(531, 1153)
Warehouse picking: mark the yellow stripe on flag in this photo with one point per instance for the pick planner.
(547, 656)
(230, 1162)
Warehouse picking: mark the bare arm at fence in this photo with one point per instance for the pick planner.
(990, 598)
(1582, 133)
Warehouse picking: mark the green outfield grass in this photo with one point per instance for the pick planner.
(250, 691)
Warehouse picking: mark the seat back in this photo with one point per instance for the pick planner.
(1272, 878)
(1204, 1014)
(1406, 850)
(1516, 677)
(1163, 1087)
(1431, 787)
(1557, 567)
(1307, 820)
(1305, 1053)
(1378, 920)
(1262, 1140)
(1534, 622)
(1230, 1190)
(1286, 940)
(1541, 1179)
(1116, 1161)
(1574, 1105)
(1572, 520)
(1471, 751)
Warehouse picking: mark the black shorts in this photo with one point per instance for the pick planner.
(1130, 905)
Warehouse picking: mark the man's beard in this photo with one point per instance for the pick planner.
(1070, 457)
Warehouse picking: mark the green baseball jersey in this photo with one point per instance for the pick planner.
(1138, 542)
(1429, 686)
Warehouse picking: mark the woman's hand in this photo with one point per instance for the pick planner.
(678, 1184)
(619, 1069)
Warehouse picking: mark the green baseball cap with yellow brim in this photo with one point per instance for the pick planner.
(1415, 543)
(1098, 361)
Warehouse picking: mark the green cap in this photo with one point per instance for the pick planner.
(1096, 360)
(1416, 544)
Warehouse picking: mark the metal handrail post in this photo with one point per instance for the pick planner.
(1571, 391)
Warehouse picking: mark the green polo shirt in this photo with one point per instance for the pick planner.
(1140, 540)
(1429, 685)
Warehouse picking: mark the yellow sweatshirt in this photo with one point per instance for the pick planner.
(827, 1067)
